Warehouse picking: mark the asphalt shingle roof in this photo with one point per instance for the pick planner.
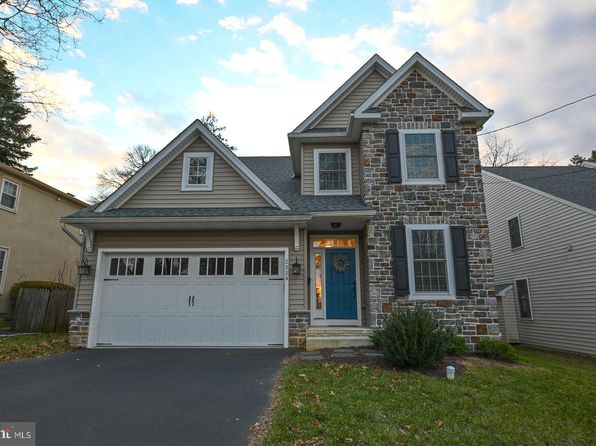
(276, 172)
(572, 183)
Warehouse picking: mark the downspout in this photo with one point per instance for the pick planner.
(70, 234)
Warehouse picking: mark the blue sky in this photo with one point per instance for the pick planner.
(151, 67)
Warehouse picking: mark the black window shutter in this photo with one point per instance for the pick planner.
(400, 261)
(392, 151)
(450, 156)
(460, 260)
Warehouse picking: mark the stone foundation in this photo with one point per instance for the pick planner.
(78, 328)
(299, 321)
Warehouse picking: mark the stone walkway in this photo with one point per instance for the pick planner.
(340, 353)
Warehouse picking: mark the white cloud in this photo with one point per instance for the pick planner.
(112, 11)
(222, 2)
(194, 36)
(187, 2)
(234, 23)
(268, 59)
(286, 28)
(301, 5)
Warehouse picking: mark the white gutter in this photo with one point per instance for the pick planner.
(70, 234)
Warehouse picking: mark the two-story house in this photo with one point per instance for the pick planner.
(32, 244)
(380, 203)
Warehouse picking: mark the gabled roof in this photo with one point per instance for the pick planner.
(445, 83)
(376, 62)
(173, 149)
(573, 184)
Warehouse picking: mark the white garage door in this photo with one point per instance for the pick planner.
(192, 299)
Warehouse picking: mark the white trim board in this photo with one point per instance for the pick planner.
(102, 263)
(539, 192)
(185, 185)
(19, 185)
(348, 153)
(173, 149)
(6, 249)
(404, 161)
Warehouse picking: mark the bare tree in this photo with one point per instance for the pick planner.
(212, 123)
(108, 180)
(500, 152)
(546, 160)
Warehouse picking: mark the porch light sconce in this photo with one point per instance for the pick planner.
(296, 268)
(84, 268)
(336, 225)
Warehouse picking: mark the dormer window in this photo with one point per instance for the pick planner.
(333, 172)
(197, 173)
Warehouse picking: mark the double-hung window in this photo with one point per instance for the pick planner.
(421, 155)
(197, 172)
(430, 262)
(524, 301)
(333, 172)
(515, 233)
(9, 195)
(3, 262)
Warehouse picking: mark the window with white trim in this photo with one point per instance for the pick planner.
(261, 266)
(3, 262)
(333, 171)
(216, 266)
(127, 266)
(9, 195)
(197, 172)
(524, 301)
(171, 266)
(421, 155)
(430, 261)
(515, 233)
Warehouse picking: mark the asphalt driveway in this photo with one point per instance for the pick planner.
(141, 396)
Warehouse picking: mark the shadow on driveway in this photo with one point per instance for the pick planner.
(141, 396)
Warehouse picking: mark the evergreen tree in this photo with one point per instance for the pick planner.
(576, 160)
(15, 137)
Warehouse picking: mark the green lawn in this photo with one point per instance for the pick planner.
(548, 400)
(32, 346)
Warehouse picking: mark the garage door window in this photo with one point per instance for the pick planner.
(127, 266)
(216, 266)
(261, 266)
(171, 266)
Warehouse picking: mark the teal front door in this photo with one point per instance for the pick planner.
(340, 284)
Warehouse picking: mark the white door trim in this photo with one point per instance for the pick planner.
(333, 322)
(102, 264)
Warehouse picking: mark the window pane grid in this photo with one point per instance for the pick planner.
(261, 266)
(216, 266)
(9, 194)
(126, 266)
(421, 156)
(171, 266)
(430, 263)
(332, 171)
(197, 170)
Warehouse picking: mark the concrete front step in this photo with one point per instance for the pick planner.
(337, 337)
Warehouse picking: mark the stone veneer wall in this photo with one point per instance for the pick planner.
(417, 103)
(78, 329)
(299, 321)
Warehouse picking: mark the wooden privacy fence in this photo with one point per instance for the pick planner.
(43, 309)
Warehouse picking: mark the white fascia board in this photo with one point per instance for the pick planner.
(177, 145)
(539, 192)
(342, 91)
(403, 72)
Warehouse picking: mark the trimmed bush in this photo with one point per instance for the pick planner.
(456, 345)
(411, 337)
(499, 350)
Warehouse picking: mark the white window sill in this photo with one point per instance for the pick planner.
(194, 188)
(432, 297)
(14, 211)
(428, 182)
(333, 192)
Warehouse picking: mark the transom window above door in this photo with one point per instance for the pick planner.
(422, 156)
(197, 172)
(333, 171)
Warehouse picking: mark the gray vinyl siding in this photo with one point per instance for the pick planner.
(195, 239)
(308, 166)
(338, 116)
(558, 259)
(229, 188)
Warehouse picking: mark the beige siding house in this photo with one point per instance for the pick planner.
(32, 244)
(543, 236)
(205, 248)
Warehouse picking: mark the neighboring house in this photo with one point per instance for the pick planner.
(543, 235)
(380, 202)
(32, 245)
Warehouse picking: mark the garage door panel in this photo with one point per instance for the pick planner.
(231, 310)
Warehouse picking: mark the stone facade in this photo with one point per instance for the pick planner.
(418, 104)
(78, 329)
(299, 321)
